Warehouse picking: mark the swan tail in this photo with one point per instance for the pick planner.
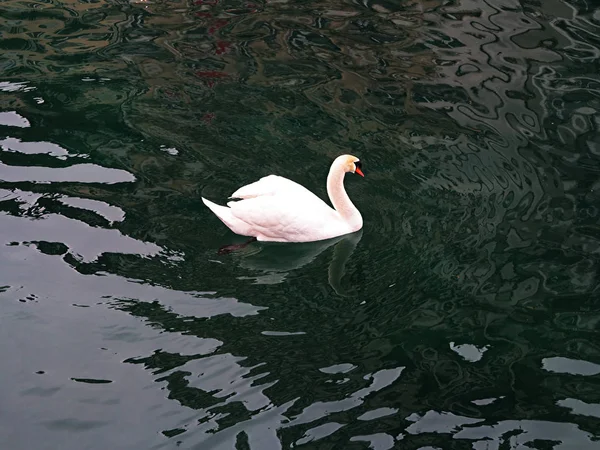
(226, 216)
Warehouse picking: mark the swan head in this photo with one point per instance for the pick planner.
(349, 163)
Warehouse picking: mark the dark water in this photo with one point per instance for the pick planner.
(465, 315)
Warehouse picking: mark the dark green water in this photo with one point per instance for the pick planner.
(466, 314)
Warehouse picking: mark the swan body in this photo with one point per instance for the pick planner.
(276, 209)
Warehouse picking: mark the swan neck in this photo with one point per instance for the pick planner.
(338, 196)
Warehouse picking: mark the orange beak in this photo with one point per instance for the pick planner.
(358, 171)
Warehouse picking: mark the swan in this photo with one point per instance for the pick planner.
(275, 209)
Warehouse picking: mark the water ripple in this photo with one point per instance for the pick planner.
(462, 316)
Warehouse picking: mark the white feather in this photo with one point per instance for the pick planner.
(280, 210)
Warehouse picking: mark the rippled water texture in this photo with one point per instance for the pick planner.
(465, 315)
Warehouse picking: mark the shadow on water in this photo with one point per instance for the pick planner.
(464, 315)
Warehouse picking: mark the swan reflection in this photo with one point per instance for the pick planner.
(275, 261)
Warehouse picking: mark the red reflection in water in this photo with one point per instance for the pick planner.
(211, 76)
(208, 118)
(217, 24)
(222, 47)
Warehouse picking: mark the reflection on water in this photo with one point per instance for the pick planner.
(275, 261)
(465, 314)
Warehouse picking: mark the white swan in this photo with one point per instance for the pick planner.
(276, 209)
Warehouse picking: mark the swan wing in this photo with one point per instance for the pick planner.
(292, 215)
(267, 186)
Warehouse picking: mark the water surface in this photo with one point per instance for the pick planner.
(464, 315)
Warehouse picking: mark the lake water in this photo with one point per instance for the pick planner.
(465, 315)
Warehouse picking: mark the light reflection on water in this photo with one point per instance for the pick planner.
(464, 315)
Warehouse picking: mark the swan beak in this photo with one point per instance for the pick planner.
(360, 172)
